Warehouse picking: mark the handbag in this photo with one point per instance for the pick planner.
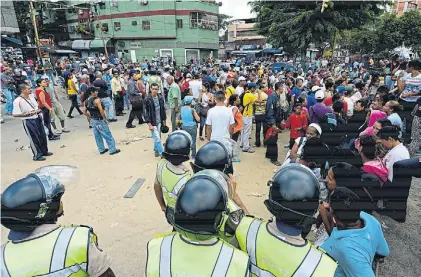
(136, 100)
(204, 111)
(123, 91)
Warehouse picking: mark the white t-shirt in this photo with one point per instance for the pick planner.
(195, 86)
(397, 153)
(239, 90)
(20, 106)
(220, 118)
(350, 111)
(165, 76)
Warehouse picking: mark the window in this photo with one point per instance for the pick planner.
(102, 6)
(134, 23)
(117, 26)
(105, 27)
(179, 23)
(146, 25)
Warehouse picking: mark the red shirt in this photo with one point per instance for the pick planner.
(328, 102)
(297, 121)
(47, 98)
(269, 92)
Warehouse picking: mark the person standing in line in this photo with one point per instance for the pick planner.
(136, 100)
(273, 119)
(260, 112)
(117, 91)
(44, 102)
(58, 111)
(220, 120)
(7, 85)
(72, 92)
(174, 100)
(26, 108)
(234, 105)
(240, 88)
(155, 117)
(103, 95)
(189, 119)
(165, 82)
(206, 99)
(248, 101)
(94, 110)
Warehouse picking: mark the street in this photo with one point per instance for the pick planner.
(124, 225)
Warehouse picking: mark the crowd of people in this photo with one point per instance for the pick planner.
(350, 137)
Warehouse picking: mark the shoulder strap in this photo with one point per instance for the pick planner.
(32, 106)
(300, 142)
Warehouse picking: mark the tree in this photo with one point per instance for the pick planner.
(223, 21)
(293, 25)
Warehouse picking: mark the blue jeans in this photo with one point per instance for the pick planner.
(51, 77)
(389, 82)
(78, 99)
(126, 100)
(109, 108)
(156, 136)
(192, 130)
(10, 96)
(102, 132)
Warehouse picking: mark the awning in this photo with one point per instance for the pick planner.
(81, 44)
(98, 43)
(60, 51)
(246, 52)
(5, 39)
(272, 51)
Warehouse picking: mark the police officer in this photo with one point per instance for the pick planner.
(196, 250)
(38, 246)
(277, 248)
(171, 173)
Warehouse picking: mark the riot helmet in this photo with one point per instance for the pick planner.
(201, 205)
(177, 147)
(35, 199)
(294, 195)
(213, 155)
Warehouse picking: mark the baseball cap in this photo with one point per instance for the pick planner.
(241, 79)
(252, 85)
(319, 94)
(341, 89)
(315, 88)
(317, 127)
(188, 99)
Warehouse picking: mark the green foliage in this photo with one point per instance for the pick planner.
(294, 24)
(223, 20)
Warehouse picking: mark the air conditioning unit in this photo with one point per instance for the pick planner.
(80, 12)
(145, 2)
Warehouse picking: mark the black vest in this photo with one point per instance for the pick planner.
(93, 110)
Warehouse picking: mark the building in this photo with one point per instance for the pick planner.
(401, 6)
(183, 30)
(9, 23)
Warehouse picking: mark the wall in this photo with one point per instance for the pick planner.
(9, 23)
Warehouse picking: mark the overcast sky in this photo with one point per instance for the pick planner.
(236, 8)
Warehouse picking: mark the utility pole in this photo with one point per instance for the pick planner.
(101, 33)
(34, 22)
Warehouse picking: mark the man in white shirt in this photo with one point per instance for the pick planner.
(26, 108)
(196, 86)
(220, 120)
(240, 88)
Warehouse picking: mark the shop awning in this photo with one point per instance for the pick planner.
(272, 51)
(5, 39)
(98, 43)
(246, 52)
(60, 51)
(81, 44)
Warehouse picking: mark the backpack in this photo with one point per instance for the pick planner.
(328, 122)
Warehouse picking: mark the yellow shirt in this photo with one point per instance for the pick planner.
(70, 88)
(229, 91)
(248, 102)
(261, 107)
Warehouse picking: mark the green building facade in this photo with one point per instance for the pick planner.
(140, 29)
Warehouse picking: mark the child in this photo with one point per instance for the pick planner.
(297, 122)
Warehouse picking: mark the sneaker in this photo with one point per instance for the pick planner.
(54, 138)
(112, 120)
(131, 126)
(103, 152)
(58, 132)
(157, 155)
(276, 163)
(249, 151)
(70, 116)
(116, 152)
(64, 130)
(48, 154)
(286, 145)
(40, 159)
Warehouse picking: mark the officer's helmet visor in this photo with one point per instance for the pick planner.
(67, 175)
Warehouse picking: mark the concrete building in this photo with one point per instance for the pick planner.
(184, 30)
(243, 38)
(9, 23)
(401, 6)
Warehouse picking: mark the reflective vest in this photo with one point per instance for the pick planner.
(270, 256)
(61, 252)
(171, 183)
(232, 207)
(173, 255)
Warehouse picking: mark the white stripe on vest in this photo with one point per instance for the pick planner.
(309, 264)
(4, 271)
(60, 249)
(252, 239)
(224, 260)
(165, 257)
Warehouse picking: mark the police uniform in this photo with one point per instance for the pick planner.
(174, 255)
(52, 250)
(272, 255)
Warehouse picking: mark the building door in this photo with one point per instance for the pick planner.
(133, 55)
(192, 54)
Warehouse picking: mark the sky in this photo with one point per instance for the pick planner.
(236, 8)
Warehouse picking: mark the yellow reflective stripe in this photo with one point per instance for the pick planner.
(4, 271)
(73, 271)
(180, 184)
(159, 171)
(309, 264)
(224, 260)
(252, 239)
(78, 247)
(165, 257)
(260, 272)
(58, 258)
